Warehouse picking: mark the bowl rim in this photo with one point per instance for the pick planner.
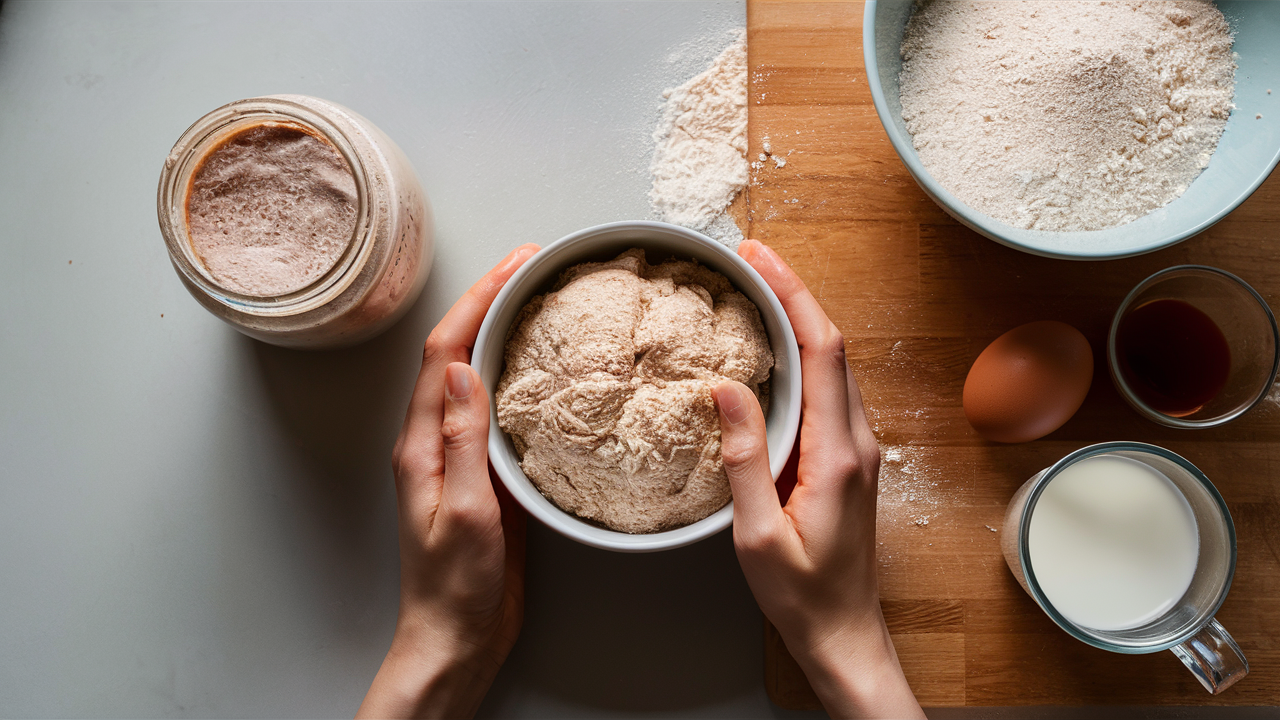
(988, 226)
(567, 524)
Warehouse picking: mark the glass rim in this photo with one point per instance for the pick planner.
(181, 164)
(1024, 547)
(1155, 415)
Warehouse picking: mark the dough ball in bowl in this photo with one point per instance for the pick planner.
(607, 390)
(608, 368)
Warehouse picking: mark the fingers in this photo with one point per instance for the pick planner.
(460, 325)
(453, 337)
(744, 447)
(826, 390)
(862, 433)
(514, 520)
(465, 436)
(451, 341)
(807, 317)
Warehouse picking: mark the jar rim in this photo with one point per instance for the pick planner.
(186, 157)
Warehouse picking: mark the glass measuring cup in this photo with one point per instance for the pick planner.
(1188, 628)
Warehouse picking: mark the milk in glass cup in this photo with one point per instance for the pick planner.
(1130, 548)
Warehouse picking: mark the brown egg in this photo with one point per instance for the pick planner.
(1028, 382)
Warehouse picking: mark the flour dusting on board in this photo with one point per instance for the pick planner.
(1273, 397)
(700, 155)
(908, 489)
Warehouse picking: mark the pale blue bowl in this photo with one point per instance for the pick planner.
(1246, 154)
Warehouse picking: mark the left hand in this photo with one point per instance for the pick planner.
(461, 550)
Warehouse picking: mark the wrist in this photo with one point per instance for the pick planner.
(430, 673)
(854, 670)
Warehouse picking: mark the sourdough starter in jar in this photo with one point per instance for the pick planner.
(296, 221)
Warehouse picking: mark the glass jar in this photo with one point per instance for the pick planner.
(378, 275)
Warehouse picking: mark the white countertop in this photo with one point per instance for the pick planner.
(193, 523)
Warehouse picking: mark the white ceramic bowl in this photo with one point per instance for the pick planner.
(660, 241)
(1246, 153)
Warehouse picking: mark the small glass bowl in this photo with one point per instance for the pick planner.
(1245, 321)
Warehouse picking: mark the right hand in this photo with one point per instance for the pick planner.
(811, 564)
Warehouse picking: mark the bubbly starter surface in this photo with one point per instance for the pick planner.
(271, 209)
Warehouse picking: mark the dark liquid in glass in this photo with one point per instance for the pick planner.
(1173, 356)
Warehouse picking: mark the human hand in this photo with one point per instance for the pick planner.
(461, 549)
(811, 564)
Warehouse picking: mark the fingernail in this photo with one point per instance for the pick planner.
(765, 253)
(457, 381)
(731, 403)
(519, 255)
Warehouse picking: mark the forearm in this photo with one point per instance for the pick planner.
(856, 674)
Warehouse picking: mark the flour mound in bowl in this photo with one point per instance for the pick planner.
(1066, 116)
(606, 392)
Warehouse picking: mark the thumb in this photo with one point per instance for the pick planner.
(465, 435)
(745, 451)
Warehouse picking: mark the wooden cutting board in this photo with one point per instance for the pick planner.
(918, 296)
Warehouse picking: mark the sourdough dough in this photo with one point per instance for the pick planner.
(607, 389)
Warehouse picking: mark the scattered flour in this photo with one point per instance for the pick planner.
(1066, 115)
(908, 492)
(1273, 397)
(768, 154)
(700, 157)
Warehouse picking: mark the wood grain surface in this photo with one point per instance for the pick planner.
(917, 297)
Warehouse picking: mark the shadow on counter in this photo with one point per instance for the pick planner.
(340, 411)
(613, 633)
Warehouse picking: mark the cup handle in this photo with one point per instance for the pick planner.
(1213, 656)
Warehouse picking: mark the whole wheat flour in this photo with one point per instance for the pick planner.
(607, 389)
(1066, 115)
(700, 156)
